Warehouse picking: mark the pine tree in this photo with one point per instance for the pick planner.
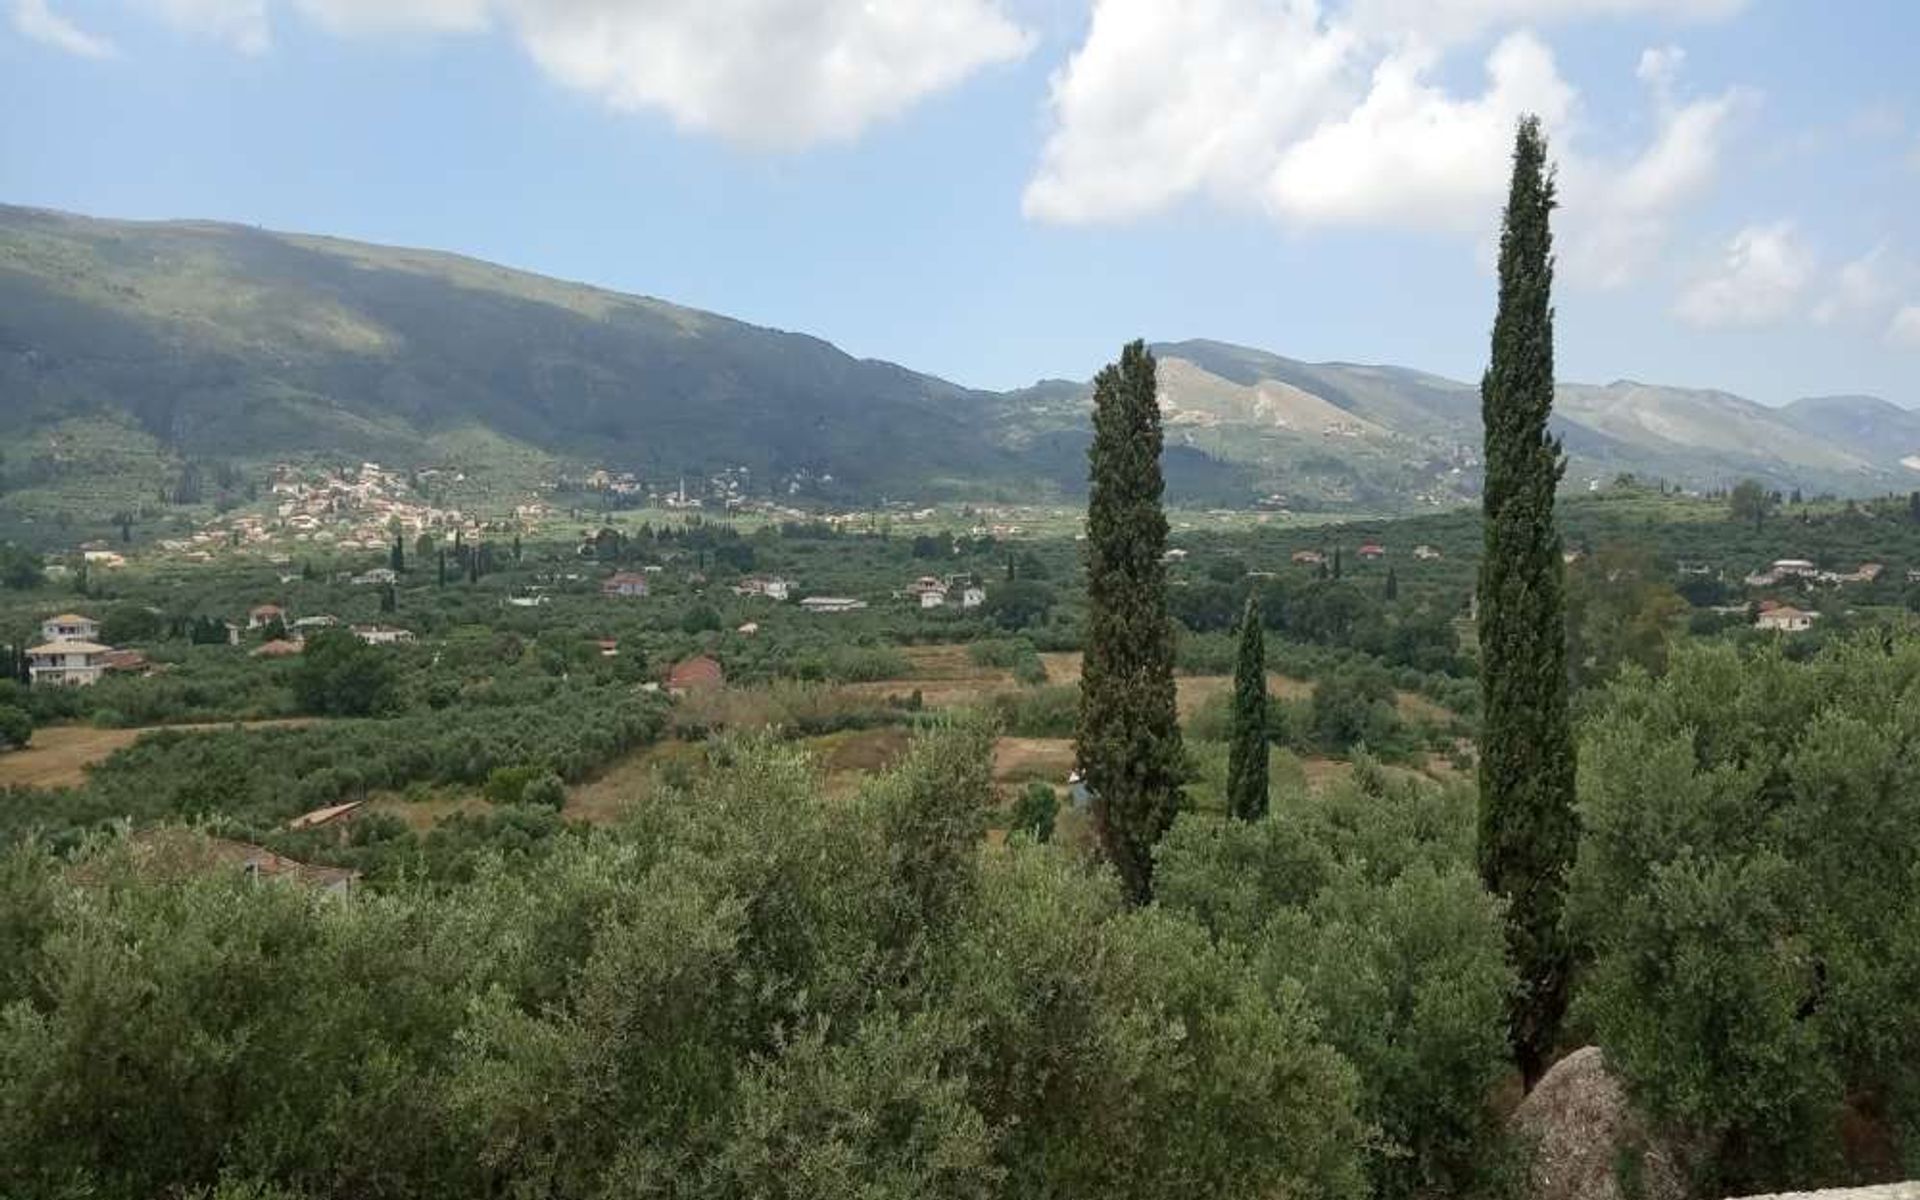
(1128, 737)
(1527, 824)
(1247, 753)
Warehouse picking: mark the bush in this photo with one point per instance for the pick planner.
(1354, 706)
(16, 728)
(1364, 900)
(1746, 886)
(546, 790)
(508, 785)
(1034, 811)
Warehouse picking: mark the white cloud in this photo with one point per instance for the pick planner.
(1322, 116)
(1904, 329)
(397, 16)
(1759, 280)
(1860, 288)
(33, 19)
(1458, 19)
(1166, 100)
(770, 73)
(1410, 155)
(242, 24)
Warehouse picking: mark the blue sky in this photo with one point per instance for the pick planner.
(1003, 190)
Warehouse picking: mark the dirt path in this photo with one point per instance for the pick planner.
(59, 755)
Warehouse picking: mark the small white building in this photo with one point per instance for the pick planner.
(1425, 553)
(383, 635)
(379, 576)
(832, 604)
(1786, 619)
(70, 627)
(262, 615)
(972, 596)
(933, 599)
(67, 663)
(762, 585)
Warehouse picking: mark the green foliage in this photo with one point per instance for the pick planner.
(1746, 882)
(1354, 706)
(339, 675)
(746, 990)
(20, 568)
(1019, 603)
(16, 728)
(1128, 738)
(1247, 752)
(1364, 901)
(508, 785)
(1749, 501)
(1527, 826)
(1619, 611)
(1034, 811)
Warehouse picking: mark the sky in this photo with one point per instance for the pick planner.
(999, 191)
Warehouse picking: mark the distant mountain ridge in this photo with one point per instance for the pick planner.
(145, 343)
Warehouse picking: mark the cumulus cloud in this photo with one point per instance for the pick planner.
(1860, 288)
(1323, 117)
(1411, 155)
(33, 19)
(1457, 19)
(1759, 280)
(1167, 100)
(769, 73)
(775, 73)
(1904, 329)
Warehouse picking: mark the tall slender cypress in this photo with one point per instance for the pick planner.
(1247, 752)
(1527, 824)
(1128, 739)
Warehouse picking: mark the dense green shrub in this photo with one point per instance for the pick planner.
(1363, 900)
(746, 990)
(16, 728)
(1747, 886)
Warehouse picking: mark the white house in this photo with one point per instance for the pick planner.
(1425, 553)
(1794, 566)
(265, 614)
(932, 599)
(1786, 619)
(69, 627)
(67, 663)
(377, 576)
(383, 635)
(762, 585)
(972, 596)
(831, 604)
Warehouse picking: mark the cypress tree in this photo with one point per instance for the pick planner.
(443, 566)
(1391, 591)
(397, 557)
(1527, 823)
(1247, 753)
(1128, 737)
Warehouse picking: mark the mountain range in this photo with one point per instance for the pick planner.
(129, 347)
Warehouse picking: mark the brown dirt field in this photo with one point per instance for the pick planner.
(422, 815)
(601, 800)
(59, 755)
(951, 661)
(1020, 760)
(1196, 690)
(1063, 666)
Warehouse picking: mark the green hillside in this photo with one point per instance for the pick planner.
(129, 348)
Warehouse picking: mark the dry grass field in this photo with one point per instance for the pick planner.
(59, 755)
